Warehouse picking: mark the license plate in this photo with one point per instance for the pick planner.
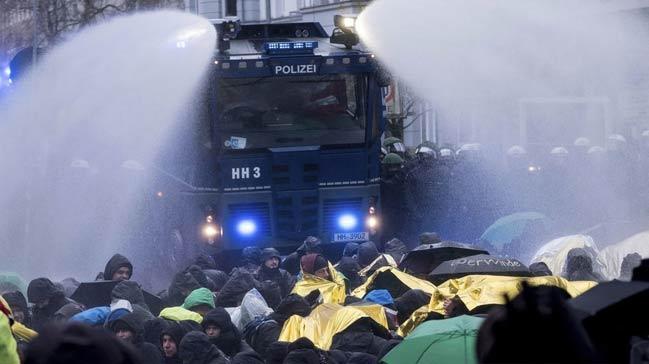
(342, 237)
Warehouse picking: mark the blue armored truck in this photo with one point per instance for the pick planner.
(291, 138)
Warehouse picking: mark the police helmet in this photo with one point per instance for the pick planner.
(446, 153)
(426, 151)
(596, 149)
(394, 145)
(617, 138)
(392, 159)
(132, 165)
(559, 152)
(582, 142)
(516, 150)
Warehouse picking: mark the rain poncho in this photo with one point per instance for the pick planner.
(327, 320)
(613, 255)
(395, 281)
(252, 307)
(555, 253)
(331, 291)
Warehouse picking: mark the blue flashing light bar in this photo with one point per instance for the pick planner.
(290, 47)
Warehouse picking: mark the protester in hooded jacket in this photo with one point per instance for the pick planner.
(270, 271)
(371, 260)
(218, 326)
(396, 248)
(182, 285)
(317, 265)
(250, 260)
(537, 318)
(67, 311)
(350, 250)
(47, 299)
(409, 302)
(540, 269)
(361, 337)
(579, 267)
(629, 262)
(132, 292)
(18, 304)
(349, 267)
(196, 348)
(200, 277)
(205, 262)
(311, 245)
(261, 333)
(78, 344)
(169, 342)
(130, 329)
(200, 301)
(247, 357)
(303, 351)
(118, 268)
(219, 278)
(236, 288)
(154, 328)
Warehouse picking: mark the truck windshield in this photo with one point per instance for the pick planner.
(291, 111)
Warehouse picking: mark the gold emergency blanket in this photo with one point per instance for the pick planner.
(479, 290)
(331, 291)
(382, 258)
(406, 279)
(327, 320)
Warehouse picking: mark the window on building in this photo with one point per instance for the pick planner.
(230, 7)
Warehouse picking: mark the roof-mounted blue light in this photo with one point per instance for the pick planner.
(290, 47)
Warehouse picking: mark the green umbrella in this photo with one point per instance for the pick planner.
(438, 341)
(511, 227)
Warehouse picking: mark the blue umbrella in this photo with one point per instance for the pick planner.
(511, 227)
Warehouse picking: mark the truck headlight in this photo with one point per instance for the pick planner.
(347, 222)
(372, 222)
(246, 227)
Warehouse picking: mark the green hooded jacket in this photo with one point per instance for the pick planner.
(201, 296)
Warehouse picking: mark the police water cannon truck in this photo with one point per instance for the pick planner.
(295, 119)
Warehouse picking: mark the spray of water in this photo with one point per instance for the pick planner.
(78, 134)
(480, 61)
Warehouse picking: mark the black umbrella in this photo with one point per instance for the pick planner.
(95, 294)
(478, 264)
(424, 258)
(612, 312)
(613, 299)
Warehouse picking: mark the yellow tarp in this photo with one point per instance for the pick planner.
(327, 320)
(410, 281)
(180, 314)
(331, 291)
(480, 290)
